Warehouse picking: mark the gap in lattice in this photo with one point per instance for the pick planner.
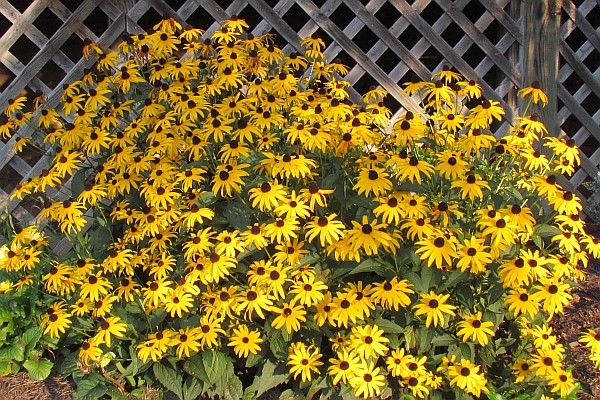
(251, 16)
(432, 13)
(10, 178)
(474, 10)
(452, 34)
(388, 15)
(365, 39)
(151, 18)
(6, 77)
(594, 16)
(51, 74)
(24, 49)
(571, 125)
(575, 39)
(590, 104)
(410, 36)
(494, 32)
(73, 47)
(573, 83)
(346, 59)
(388, 61)
(494, 77)
(365, 83)
(48, 23)
(590, 145)
(20, 5)
(431, 58)
(295, 17)
(200, 18)
(391, 103)
(342, 16)
(97, 21)
(5, 24)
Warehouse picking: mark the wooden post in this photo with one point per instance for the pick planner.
(541, 26)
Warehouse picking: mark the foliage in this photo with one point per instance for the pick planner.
(252, 227)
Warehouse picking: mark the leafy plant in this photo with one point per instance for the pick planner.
(239, 224)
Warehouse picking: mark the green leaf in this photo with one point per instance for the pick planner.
(430, 277)
(77, 183)
(31, 337)
(12, 352)
(195, 367)
(369, 265)
(277, 344)
(90, 389)
(443, 340)
(169, 378)
(545, 230)
(215, 365)
(495, 293)
(426, 336)
(270, 376)
(38, 369)
(455, 277)
(192, 388)
(237, 214)
(389, 326)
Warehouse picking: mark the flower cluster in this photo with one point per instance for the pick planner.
(240, 200)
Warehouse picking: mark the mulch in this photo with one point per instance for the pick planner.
(21, 387)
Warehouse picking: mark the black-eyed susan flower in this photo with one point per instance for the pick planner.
(343, 367)
(552, 294)
(289, 315)
(304, 361)
(519, 302)
(434, 306)
(473, 326)
(472, 256)
(368, 341)
(244, 341)
(186, 341)
(368, 380)
(327, 228)
(373, 181)
(109, 327)
(392, 294)
(368, 235)
(466, 376)
(439, 248)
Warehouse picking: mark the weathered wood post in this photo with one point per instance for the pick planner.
(541, 26)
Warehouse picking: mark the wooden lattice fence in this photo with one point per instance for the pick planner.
(385, 42)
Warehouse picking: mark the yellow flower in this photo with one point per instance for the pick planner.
(474, 326)
(244, 341)
(434, 306)
(304, 361)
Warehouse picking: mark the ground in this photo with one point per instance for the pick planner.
(582, 313)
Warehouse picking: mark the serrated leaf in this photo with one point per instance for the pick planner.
(195, 367)
(192, 388)
(237, 214)
(545, 230)
(277, 344)
(455, 277)
(215, 365)
(90, 389)
(38, 369)
(389, 326)
(270, 376)
(31, 337)
(369, 265)
(169, 378)
(12, 352)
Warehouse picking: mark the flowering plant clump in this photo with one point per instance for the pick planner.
(248, 219)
